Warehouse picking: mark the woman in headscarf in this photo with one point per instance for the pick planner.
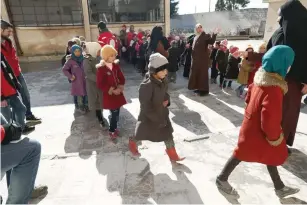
(158, 43)
(292, 32)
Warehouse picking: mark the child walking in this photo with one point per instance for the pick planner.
(232, 70)
(153, 121)
(173, 67)
(222, 60)
(111, 81)
(261, 137)
(92, 52)
(74, 71)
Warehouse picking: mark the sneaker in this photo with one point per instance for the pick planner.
(28, 129)
(113, 135)
(39, 191)
(286, 191)
(226, 187)
(32, 120)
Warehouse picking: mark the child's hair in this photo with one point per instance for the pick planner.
(107, 51)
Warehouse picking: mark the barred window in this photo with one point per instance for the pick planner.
(121, 11)
(45, 12)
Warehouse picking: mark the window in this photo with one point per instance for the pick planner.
(121, 11)
(46, 12)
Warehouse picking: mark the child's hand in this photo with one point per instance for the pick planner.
(165, 103)
(72, 78)
(116, 91)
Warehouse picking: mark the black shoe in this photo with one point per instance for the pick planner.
(32, 118)
(203, 93)
(27, 129)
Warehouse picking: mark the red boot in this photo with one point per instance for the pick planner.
(172, 154)
(133, 148)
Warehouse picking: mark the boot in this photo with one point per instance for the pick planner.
(99, 115)
(133, 148)
(172, 154)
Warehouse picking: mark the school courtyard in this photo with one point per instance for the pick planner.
(81, 165)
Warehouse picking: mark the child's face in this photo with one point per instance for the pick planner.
(161, 74)
(250, 50)
(112, 58)
(262, 50)
(77, 52)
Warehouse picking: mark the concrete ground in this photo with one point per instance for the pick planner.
(81, 165)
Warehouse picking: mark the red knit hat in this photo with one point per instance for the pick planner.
(233, 49)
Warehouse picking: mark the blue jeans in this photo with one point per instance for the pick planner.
(114, 120)
(18, 109)
(23, 159)
(25, 95)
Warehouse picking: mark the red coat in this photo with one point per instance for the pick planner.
(2, 133)
(129, 37)
(107, 38)
(107, 80)
(9, 52)
(140, 36)
(261, 137)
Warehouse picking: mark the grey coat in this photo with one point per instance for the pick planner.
(93, 93)
(153, 122)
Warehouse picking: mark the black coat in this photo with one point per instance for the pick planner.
(293, 33)
(174, 54)
(212, 57)
(232, 70)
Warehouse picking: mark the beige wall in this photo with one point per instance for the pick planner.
(42, 41)
(271, 23)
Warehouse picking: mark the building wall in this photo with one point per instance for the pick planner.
(229, 21)
(44, 41)
(271, 22)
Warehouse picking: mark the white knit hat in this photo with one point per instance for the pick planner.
(92, 48)
(156, 60)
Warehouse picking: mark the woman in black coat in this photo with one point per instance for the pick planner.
(293, 33)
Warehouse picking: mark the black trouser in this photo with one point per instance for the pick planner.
(222, 76)
(114, 119)
(225, 83)
(233, 162)
(214, 72)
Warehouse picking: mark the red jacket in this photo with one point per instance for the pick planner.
(129, 37)
(140, 36)
(107, 80)
(261, 137)
(8, 79)
(2, 133)
(107, 38)
(9, 52)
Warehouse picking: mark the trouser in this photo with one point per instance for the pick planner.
(114, 119)
(169, 143)
(18, 110)
(25, 95)
(233, 162)
(222, 76)
(225, 83)
(241, 89)
(23, 159)
(80, 102)
(142, 64)
(172, 76)
(214, 72)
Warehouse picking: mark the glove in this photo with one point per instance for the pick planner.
(12, 133)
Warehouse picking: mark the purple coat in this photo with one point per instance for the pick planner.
(78, 86)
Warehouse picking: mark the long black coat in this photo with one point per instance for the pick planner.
(232, 70)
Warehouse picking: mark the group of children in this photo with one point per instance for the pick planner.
(232, 64)
(104, 81)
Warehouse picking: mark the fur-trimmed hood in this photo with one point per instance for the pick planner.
(265, 79)
(103, 63)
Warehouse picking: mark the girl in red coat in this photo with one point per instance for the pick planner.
(111, 81)
(261, 137)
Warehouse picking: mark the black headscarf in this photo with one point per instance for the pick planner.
(293, 33)
(155, 37)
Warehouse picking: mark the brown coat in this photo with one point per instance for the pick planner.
(245, 69)
(153, 121)
(199, 78)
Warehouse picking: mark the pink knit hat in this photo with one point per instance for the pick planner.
(224, 43)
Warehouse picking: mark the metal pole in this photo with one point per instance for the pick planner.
(209, 5)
